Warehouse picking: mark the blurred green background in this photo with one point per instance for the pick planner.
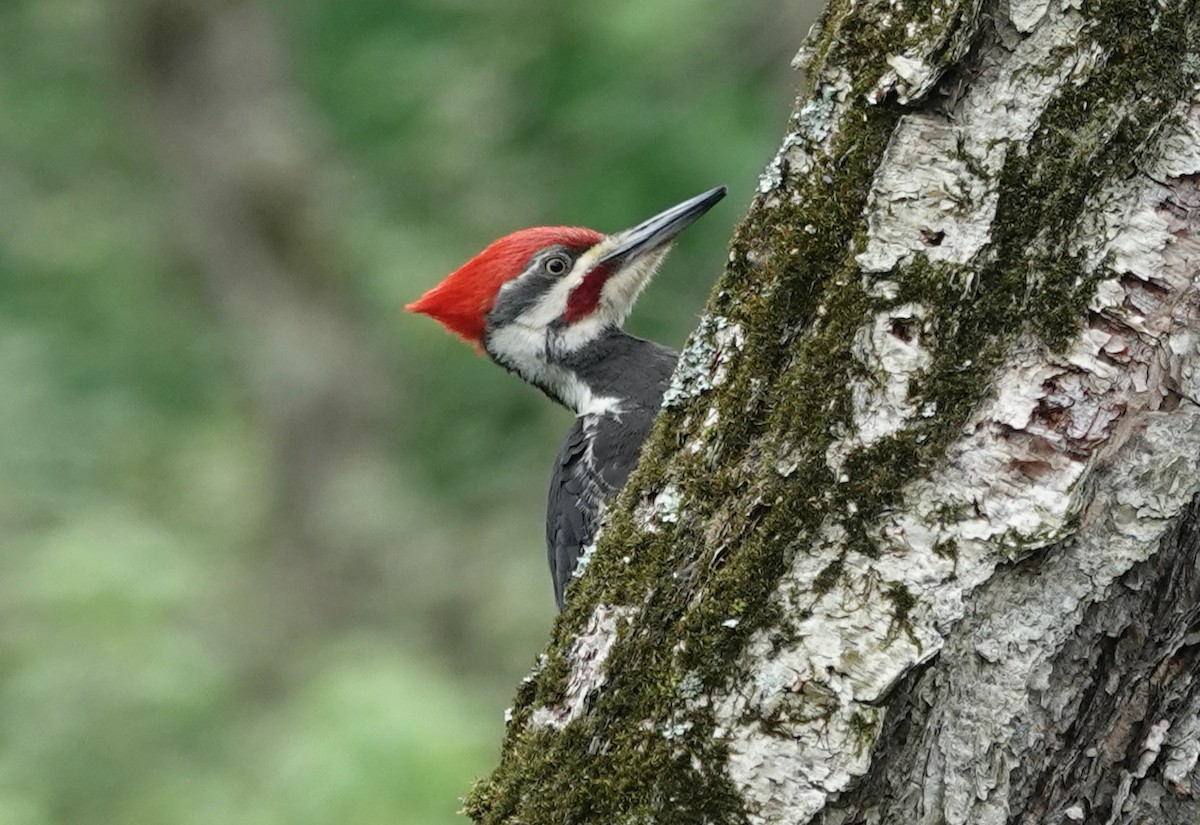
(272, 549)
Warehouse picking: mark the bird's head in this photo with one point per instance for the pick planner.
(554, 289)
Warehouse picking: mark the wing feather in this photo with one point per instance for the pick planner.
(594, 462)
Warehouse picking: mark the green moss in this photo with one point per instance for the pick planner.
(946, 549)
(830, 575)
(551, 678)
(863, 731)
(647, 750)
(935, 31)
(903, 601)
(866, 487)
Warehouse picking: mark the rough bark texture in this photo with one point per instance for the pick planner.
(915, 539)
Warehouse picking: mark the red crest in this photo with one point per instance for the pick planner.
(463, 299)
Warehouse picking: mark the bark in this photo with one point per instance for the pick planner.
(915, 537)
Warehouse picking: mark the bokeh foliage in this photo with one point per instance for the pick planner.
(144, 676)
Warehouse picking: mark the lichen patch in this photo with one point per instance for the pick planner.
(586, 662)
(703, 364)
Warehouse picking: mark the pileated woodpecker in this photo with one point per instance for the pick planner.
(547, 303)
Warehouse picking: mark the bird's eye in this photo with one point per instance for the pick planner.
(556, 264)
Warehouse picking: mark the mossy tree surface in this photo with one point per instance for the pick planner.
(914, 531)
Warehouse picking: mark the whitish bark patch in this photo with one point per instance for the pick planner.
(890, 351)
(1091, 452)
(936, 191)
(586, 659)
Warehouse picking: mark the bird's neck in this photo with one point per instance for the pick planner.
(613, 372)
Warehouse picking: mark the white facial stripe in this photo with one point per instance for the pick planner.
(617, 298)
(525, 349)
(529, 343)
(553, 303)
(579, 334)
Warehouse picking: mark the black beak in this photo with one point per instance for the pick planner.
(660, 230)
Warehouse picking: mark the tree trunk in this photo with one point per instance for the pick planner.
(237, 140)
(916, 536)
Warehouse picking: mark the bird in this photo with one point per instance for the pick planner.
(548, 304)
